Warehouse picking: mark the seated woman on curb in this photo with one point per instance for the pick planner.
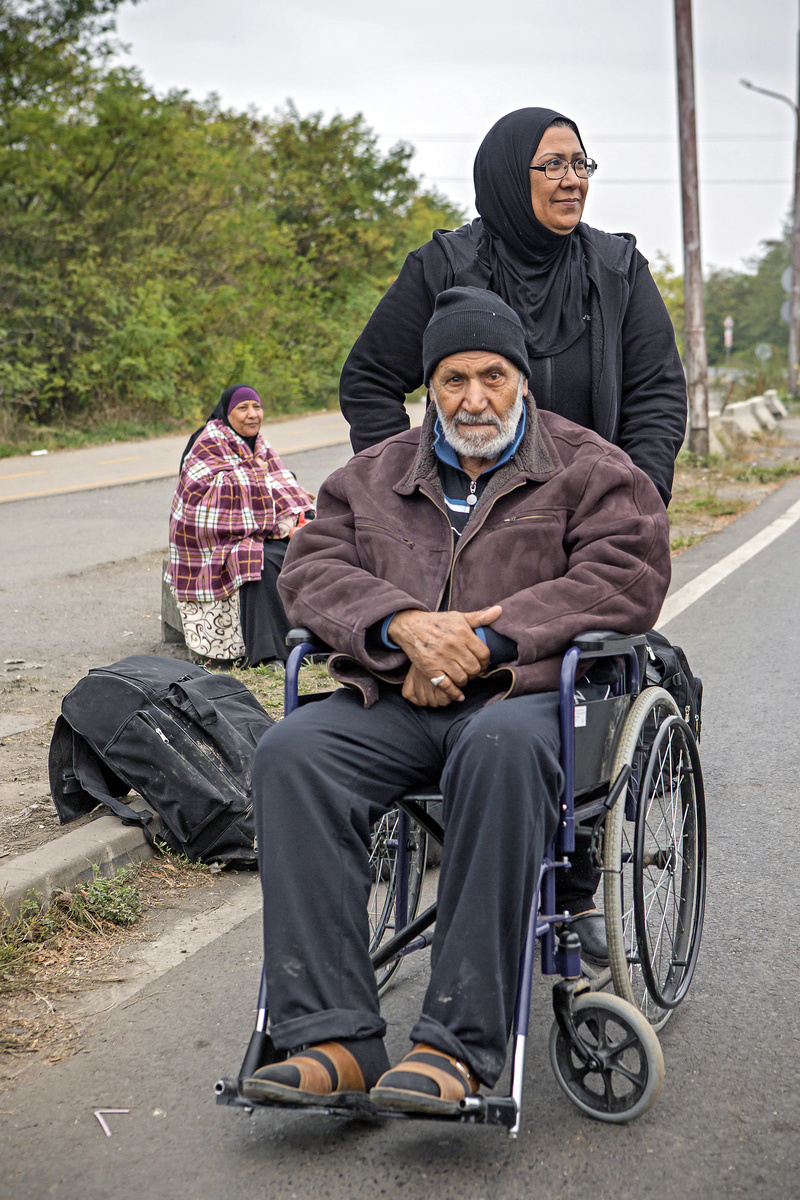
(234, 509)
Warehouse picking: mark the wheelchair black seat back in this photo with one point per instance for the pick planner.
(633, 793)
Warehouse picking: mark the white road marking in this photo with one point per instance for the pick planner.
(677, 603)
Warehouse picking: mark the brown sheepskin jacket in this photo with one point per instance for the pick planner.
(568, 536)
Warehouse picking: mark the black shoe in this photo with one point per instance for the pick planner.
(591, 931)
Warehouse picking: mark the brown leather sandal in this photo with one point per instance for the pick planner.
(324, 1074)
(426, 1081)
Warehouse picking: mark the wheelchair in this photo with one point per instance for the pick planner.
(633, 793)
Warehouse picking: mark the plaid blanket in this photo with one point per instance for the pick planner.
(228, 500)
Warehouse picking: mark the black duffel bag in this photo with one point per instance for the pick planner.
(180, 736)
(668, 667)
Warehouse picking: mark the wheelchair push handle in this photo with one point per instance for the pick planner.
(296, 637)
(602, 643)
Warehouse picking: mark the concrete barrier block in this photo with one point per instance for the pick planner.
(775, 404)
(723, 436)
(715, 445)
(741, 416)
(171, 623)
(762, 414)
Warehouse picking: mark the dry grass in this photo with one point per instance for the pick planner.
(711, 492)
(74, 946)
(266, 684)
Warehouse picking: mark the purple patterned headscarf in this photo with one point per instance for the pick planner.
(240, 394)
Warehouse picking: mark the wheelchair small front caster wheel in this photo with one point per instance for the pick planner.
(629, 1079)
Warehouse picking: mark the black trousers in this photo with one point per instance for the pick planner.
(321, 778)
(261, 613)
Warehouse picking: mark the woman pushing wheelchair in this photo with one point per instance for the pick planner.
(599, 341)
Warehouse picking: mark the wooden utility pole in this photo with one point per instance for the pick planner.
(696, 358)
(794, 300)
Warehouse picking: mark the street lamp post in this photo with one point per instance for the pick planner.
(794, 296)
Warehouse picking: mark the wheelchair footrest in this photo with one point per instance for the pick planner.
(474, 1110)
(227, 1092)
(489, 1110)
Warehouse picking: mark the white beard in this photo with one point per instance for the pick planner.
(485, 445)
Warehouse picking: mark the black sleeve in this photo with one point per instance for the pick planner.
(653, 398)
(386, 362)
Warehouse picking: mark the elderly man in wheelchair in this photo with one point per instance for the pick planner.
(449, 568)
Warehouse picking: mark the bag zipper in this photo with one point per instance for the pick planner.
(181, 721)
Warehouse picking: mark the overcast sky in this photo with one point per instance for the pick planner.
(439, 74)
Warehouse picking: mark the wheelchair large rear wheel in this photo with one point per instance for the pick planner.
(388, 913)
(654, 856)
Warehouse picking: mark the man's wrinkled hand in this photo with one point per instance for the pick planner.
(419, 690)
(444, 643)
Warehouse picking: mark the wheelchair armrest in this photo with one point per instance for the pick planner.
(600, 643)
(302, 643)
(296, 637)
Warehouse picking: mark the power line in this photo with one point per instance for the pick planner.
(620, 138)
(637, 182)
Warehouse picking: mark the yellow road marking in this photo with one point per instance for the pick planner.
(19, 475)
(104, 462)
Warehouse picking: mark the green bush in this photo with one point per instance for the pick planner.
(107, 898)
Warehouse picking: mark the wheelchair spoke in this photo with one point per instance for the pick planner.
(387, 906)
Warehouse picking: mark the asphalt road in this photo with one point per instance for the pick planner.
(727, 1122)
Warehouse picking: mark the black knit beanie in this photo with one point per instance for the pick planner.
(470, 318)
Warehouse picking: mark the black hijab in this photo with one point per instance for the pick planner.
(218, 413)
(541, 274)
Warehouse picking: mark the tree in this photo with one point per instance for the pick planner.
(153, 249)
(49, 49)
(670, 285)
(753, 298)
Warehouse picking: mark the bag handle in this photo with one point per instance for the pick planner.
(185, 694)
(86, 767)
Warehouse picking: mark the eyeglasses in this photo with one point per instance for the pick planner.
(557, 168)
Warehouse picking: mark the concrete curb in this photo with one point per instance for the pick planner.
(69, 860)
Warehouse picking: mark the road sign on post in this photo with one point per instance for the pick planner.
(727, 325)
